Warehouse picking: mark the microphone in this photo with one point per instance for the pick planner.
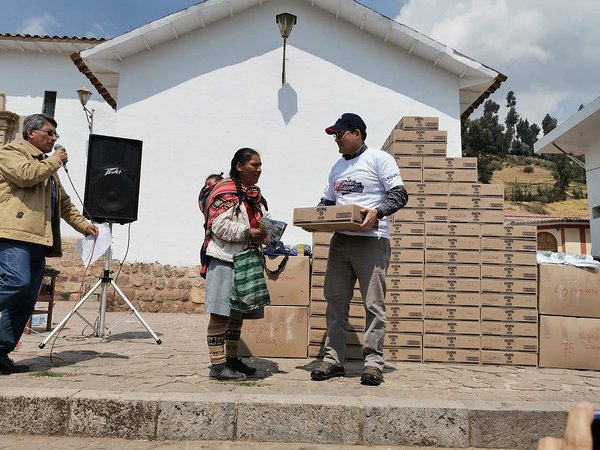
(58, 147)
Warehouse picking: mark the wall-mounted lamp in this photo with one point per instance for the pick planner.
(286, 22)
(84, 95)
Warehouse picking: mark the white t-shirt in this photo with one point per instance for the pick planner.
(364, 181)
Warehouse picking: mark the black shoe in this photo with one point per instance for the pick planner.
(7, 366)
(326, 371)
(372, 376)
(238, 365)
(223, 373)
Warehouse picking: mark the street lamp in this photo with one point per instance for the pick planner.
(286, 22)
(84, 95)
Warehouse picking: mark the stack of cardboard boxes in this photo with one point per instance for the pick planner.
(461, 284)
(569, 305)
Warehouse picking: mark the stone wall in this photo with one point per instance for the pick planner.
(151, 287)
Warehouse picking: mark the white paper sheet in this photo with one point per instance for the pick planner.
(89, 251)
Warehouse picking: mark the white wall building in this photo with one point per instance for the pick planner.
(580, 135)
(197, 85)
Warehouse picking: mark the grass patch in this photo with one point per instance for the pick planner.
(47, 373)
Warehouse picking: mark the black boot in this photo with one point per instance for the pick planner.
(236, 363)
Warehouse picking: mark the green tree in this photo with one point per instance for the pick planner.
(511, 119)
(549, 123)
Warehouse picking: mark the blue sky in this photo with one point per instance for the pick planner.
(550, 52)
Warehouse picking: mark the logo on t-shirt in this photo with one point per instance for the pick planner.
(348, 187)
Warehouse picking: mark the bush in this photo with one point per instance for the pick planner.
(528, 169)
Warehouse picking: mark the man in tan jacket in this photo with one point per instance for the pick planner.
(32, 201)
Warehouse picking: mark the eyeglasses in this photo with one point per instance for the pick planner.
(340, 134)
(50, 133)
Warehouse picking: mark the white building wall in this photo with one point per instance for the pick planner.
(592, 168)
(25, 89)
(194, 101)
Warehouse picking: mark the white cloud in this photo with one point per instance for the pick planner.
(549, 50)
(39, 25)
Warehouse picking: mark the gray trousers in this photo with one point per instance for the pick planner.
(351, 258)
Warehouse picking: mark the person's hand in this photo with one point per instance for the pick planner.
(578, 432)
(61, 153)
(92, 230)
(257, 235)
(370, 219)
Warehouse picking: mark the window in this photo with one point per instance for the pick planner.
(49, 103)
(546, 242)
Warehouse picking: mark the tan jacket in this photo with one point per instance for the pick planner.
(25, 205)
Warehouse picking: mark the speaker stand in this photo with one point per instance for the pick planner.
(103, 282)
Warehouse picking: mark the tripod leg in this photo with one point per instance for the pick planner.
(73, 311)
(134, 311)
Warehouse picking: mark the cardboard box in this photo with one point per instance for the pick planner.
(509, 257)
(329, 218)
(319, 322)
(451, 326)
(319, 307)
(406, 354)
(352, 337)
(420, 215)
(509, 314)
(427, 201)
(467, 202)
(404, 326)
(410, 174)
(403, 340)
(418, 123)
(405, 283)
(569, 342)
(507, 243)
(510, 272)
(452, 284)
(321, 238)
(451, 355)
(393, 297)
(416, 148)
(320, 251)
(452, 243)
(404, 255)
(475, 216)
(416, 188)
(452, 256)
(452, 270)
(283, 332)
(452, 229)
(404, 311)
(449, 175)
(408, 241)
(417, 135)
(508, 358)
(451, 341)
(451, 298)
(514, 286)
(319, 265)
(476, 189)
(509, 300)
(569, 291)
(412, 162)
(292, 286)
(406, 269)
(516, 231)
(451, 312)
(407, 229)
(437, 162)
(516, 343)
(497, 328)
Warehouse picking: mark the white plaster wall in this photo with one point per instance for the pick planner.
(592, 167)
(25, 89)
(196, 100)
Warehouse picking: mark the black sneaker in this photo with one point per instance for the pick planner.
(238, 365)
(223, 373)
(326, 371)
(372, 376)
(7, 366)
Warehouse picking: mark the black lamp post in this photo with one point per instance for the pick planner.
(286, 22)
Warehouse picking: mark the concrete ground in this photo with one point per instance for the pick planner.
(125, 386)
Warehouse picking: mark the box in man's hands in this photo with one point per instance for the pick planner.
(329, 218)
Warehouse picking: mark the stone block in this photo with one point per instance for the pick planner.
(34, 414)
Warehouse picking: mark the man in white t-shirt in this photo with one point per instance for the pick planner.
(371, 179)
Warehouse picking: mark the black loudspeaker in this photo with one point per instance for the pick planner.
(112, 182)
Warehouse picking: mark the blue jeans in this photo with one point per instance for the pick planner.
(21, 271)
